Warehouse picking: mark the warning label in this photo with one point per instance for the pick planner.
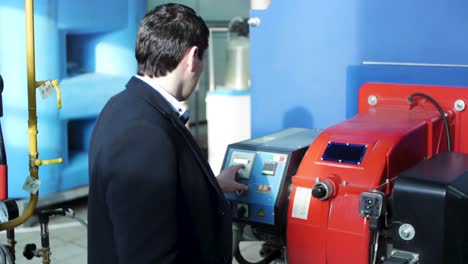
(261, 213)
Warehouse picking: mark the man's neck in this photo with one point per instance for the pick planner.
(166, 82)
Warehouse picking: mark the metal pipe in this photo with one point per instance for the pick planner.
(11, 242)
(32, 118)
(45, 250)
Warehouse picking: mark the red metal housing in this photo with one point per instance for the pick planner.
(397, 135)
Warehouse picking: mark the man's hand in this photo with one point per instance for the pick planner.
(227, 179)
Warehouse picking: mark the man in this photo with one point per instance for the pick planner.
(153, 197)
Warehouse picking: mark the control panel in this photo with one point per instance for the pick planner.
(269, 163)
(263, 173)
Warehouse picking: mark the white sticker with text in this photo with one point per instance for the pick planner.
(46, 89)
(301, 203)
(31, 185)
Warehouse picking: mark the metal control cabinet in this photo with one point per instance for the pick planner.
(269, 162)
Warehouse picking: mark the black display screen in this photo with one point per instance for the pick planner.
(344, 153)
(269, 168)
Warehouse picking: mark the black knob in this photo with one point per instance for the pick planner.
(241, 212)
(319, 191)
(28, 251)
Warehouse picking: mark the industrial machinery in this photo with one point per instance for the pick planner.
(389, 185)
(269, 162)
(385, 186)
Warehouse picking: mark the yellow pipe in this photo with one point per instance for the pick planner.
(32, 118)
(39, 162)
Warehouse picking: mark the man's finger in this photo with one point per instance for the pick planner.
(242, 187)
(238, 166)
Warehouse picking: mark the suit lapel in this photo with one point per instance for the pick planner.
(150, 95)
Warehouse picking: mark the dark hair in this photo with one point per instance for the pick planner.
(164, 36)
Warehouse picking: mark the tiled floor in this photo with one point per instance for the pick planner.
(68, 239)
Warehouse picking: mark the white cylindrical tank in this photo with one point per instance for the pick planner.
(237, 63)
(259, 4)
(228, 118)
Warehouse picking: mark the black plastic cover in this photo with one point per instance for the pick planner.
(433, 198)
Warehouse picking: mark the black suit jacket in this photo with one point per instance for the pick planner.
(152, 196)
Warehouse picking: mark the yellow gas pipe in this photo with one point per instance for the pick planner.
(34, 162)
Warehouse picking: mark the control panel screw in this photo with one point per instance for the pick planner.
(372, 100)
(459, 105)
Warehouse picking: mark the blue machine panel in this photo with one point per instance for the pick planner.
(269, 162)
(263, 185)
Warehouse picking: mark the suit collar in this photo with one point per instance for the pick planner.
(145, 91)
(179, 107)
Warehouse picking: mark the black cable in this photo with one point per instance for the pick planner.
(3, 159)
(441, 111)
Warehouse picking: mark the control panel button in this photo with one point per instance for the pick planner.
(243, 158)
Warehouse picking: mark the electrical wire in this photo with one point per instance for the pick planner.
(2, 256)
(71, 214)
(441, 111)
(6, 255)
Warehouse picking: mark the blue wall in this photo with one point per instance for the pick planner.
(305, 55)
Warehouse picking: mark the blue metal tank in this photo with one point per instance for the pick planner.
(89, 47)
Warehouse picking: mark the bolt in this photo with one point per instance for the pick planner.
(406, 232)
(459, 105)
(372, 100)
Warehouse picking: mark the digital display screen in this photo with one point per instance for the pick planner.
(269, 168)
(344, 153)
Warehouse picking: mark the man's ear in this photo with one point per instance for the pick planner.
(192, 55)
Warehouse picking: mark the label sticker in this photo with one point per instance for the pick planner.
(261, 213)
(46, 89)
(301, 203)
(31, 185)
